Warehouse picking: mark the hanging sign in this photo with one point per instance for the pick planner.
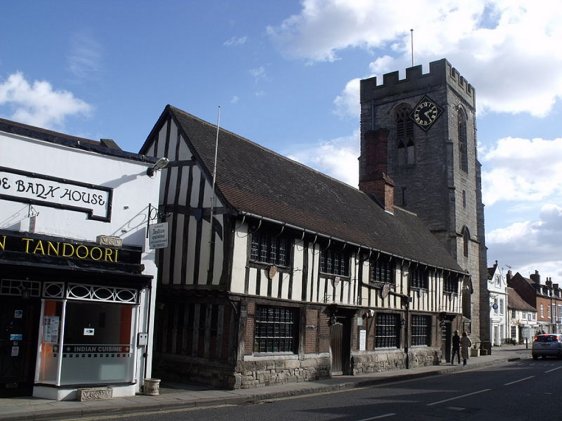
(158, 235)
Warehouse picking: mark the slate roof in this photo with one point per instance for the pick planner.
(515, 301)
(257, 181)
(104, 146)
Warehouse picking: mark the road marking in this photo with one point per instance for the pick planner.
(378, 417)
(458, 397)
(517, 381)
(554, 369)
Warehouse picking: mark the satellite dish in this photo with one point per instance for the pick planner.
(385, 291)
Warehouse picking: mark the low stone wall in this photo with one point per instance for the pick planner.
(264, 371)
(379, 361)
(175, 368)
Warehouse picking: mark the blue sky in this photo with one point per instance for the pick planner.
(286, 74)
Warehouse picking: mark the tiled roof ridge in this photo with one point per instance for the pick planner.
(263, 148)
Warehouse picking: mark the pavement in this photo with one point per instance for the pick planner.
(180, 396)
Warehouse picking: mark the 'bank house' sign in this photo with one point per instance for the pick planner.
(26, 187)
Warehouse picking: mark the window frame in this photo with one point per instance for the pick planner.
(334, 262)
(276, 330)
(382, 270)
(418, 277)
(420, 330)
(267, 248)
(387, 330)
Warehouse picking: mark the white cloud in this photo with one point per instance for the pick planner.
(336, 158)
(235, 41)
(530, 245)
(347, 103)
(522, 170)
(38, 103)
(85, 58)
(258, 73)
(514, 57)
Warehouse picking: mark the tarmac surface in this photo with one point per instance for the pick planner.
(175, 396)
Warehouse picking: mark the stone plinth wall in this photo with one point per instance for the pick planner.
(260, 371)
(378, 361)
(176, 368)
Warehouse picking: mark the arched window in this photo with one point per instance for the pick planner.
(405, 135)
(465, 240)
(463, 148)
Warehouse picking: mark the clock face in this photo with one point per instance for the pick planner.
(425, 113)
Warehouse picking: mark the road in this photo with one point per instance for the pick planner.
(514, 392)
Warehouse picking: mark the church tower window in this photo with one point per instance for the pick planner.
(405, 136)
(462, 132)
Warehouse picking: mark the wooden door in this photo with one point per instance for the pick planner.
(336, 347)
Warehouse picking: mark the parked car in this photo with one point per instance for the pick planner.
(547, 345)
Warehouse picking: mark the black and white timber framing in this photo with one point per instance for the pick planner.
(280, 285)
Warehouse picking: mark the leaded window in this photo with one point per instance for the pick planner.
(276, 329)
(334, 262)
(421, 330)
(270, 249)
(382, 270)
(419, 277)
(387, 330)
(451, 283)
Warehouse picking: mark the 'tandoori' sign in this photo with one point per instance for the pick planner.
(26, 187)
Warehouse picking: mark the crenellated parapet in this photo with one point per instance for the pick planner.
(416, 81)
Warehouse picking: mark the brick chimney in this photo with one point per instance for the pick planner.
(373, 168)
(535, 277)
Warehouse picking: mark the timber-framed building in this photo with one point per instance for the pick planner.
(282, 274)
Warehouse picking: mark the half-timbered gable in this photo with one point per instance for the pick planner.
(273, 264)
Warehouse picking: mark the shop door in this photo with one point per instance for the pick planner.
(18, 345)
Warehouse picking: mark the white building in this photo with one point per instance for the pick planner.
(522, 318)
(497, 289)
(77, 280)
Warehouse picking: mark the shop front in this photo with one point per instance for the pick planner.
(70, 316)
(77, 275)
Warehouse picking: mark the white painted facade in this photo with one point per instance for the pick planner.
(499, 316)
(32, 160)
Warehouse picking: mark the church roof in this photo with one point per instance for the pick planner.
(254, 180)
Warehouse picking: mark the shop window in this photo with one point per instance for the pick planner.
(96, 344)
(334, 262)
(387, 330)
(421, 330)
(276, 329)
(270, 249)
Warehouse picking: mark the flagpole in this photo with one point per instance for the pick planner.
(212, 234)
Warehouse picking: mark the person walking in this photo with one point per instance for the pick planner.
(456, 347)
(465, 346)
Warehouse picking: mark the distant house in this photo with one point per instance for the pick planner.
(546, 298)
(497, 290)
(277, 273)
(522, 318)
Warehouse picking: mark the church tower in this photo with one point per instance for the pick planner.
(420, 132)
